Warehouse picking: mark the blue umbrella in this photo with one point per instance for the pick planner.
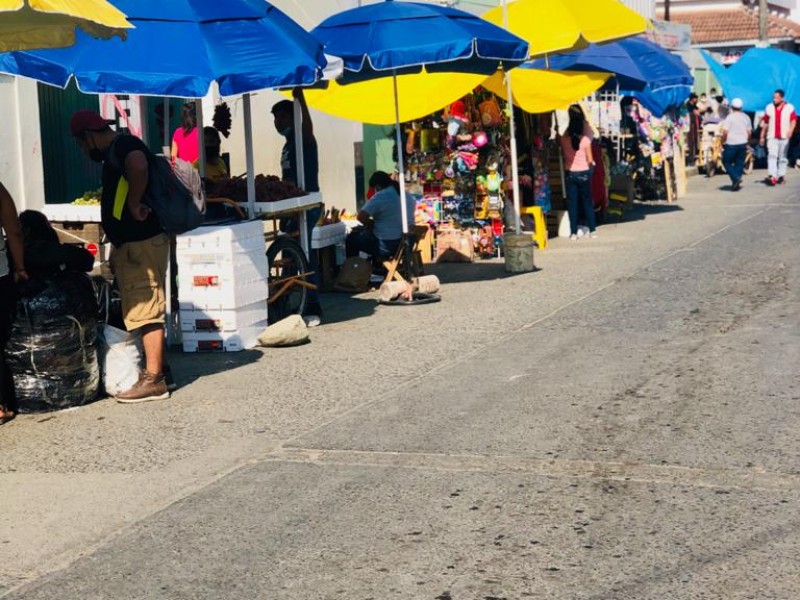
(178, 47)
(635, 62)
(390, 38)
(756, 76)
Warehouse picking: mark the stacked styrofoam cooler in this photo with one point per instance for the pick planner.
(222, 287)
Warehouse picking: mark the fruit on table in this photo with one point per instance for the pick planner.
(91, 198)
(268, 189)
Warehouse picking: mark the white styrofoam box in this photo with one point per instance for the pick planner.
(324, 236)
(221, 286)
(224, 341)
(207, 320)
(211, 258)
(231, 239)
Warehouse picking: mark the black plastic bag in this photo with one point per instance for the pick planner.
(52, 350)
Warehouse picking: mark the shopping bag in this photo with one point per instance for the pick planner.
(354, 275)
(120, 359)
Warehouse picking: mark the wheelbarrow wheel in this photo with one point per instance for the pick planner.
(286, 259)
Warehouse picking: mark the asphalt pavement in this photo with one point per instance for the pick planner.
(622, 423)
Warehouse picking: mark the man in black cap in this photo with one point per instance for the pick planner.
(141, 249)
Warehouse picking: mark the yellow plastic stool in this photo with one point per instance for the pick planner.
(539, 225)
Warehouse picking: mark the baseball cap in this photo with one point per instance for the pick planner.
(737, 103)
(87, 120)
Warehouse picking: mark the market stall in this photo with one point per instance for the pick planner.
(264, 49)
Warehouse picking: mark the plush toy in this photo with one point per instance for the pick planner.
(494, 190)
(481, 211)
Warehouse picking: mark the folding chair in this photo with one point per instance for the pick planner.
(395, 265)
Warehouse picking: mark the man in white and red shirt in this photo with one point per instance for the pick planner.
(776, 130)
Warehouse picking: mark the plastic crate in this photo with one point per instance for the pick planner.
(211, 321)
(224, 341)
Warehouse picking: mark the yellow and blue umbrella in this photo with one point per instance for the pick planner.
(33, 24)
(401, 44)
(552, 26)
(656, 77)
(179, 47)
(543, 90)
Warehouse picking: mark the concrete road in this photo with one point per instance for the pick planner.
(621, 424)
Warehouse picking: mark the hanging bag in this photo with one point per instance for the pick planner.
(120, 351)
(490, 113)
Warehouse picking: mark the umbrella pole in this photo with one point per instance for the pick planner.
(167, 149)
(514, 152)
(299, 145)
(201, 138)
(248, 150)
(401, 175)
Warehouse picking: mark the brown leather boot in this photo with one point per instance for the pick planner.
(149, 387)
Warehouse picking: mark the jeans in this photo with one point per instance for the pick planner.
(778, 157)
(733, 158)
(363, 240)
(579, 200)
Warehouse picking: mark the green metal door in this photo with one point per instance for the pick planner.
(68, 174)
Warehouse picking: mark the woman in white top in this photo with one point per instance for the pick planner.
(12, 269)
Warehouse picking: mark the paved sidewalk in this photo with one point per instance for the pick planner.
(640, 382)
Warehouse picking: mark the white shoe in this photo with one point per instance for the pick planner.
(312, 321)
(593, 235)
(573, 238)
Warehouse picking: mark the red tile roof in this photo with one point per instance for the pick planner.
(739, 24)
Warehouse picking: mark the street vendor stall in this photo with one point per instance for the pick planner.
(178, 53)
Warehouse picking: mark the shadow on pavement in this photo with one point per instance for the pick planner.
(340, 307)
(188, 367)
(481, 270)
(641, 210)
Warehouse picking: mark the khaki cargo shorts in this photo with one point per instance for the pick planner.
(141, 272)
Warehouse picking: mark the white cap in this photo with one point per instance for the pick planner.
(737, 103)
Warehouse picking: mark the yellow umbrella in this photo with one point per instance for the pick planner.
(562, 25)
(35, 24)
(537, 91)
(371, 101)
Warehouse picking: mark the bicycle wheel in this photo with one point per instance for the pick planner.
(286, 259)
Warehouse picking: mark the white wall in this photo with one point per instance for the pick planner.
(20, 143)
(336, 138)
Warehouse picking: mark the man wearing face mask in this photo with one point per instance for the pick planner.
(141, 249)
(283, 115)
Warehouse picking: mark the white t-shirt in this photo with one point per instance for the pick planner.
(3, 255)
(738, 126)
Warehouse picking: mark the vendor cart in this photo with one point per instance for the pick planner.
(287, 255)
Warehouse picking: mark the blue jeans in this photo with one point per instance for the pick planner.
(579, 200)
(733, 158)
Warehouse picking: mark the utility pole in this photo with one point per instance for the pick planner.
(763, 12)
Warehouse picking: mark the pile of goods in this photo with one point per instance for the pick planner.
(52, 351)
(91, 198)
(268, 189)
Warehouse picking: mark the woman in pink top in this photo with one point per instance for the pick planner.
(578, 160)
(185, 141)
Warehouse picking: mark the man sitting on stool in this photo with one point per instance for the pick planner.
(382, 220)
